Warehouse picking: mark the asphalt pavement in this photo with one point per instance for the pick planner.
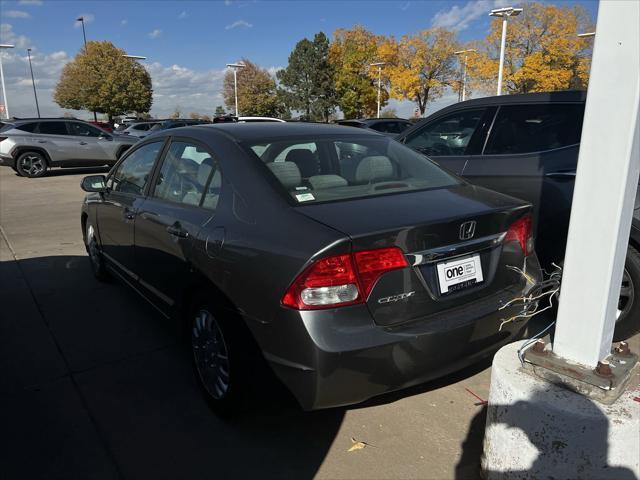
(93, 383)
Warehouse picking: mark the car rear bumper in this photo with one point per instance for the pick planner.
(340, 357)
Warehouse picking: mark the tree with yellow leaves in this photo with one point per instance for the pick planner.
(351, 52)
(420, 67)
(543, 51)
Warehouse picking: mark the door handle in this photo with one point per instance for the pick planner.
(42, 141)
(566, 175)
(128, 214)
(177, 231)
(83, 143)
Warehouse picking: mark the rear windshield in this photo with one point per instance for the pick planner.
(329, 169)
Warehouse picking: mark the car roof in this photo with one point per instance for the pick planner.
(257, 131)
(538, 97)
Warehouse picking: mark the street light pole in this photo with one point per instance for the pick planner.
(4, 89)
(84, 36)
(33, 82)
(379, 65)
(504, 13)
(235, 67)
(464, 70)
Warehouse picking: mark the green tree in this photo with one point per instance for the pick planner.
(100, 79)
(257, 93)
(307, 84)
(220, 111)
(351, 52)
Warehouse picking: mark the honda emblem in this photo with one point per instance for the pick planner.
(467, 230)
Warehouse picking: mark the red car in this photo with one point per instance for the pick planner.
(103, 125)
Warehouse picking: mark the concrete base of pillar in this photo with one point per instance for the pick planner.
(539, 430)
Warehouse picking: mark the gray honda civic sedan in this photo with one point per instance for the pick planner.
(346, 262)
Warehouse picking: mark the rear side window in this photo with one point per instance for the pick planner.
(83, 130)
(132, 174)
(449, 135)
(27, 127)
(53, 128)
(535, 128)
(189, 175)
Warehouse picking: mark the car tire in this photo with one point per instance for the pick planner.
(96, 259)
(32, 165)
(628, 322)
(224, 357)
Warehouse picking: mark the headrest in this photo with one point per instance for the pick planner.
(287, 172)
(374, 168)
(327, 181)
(204, 170)
(300, 155)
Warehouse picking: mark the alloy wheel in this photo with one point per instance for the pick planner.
(211, 354)
(92, 245)
(32, 165)
(627, 296)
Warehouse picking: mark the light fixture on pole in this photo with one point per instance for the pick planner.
(504, 13)
(33, 82)
(135, 57)
(464, 70)
(84, 36)
(235, 67)
(379, 65)
(4, 89)
(587, 34)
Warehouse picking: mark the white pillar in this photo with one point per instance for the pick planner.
(4, 89)
(606, 182)
(502, 48)
(235, 87)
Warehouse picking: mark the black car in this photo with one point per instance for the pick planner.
(175, 123)
(349, 263)
(525, 146)
(387, 126)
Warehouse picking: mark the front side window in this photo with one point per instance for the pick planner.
(351, 167)
(133, 173)
(535, 128)
(82, 130)
(449, 135)
(53, 128)
(189, 175)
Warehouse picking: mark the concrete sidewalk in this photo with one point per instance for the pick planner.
(93, 384)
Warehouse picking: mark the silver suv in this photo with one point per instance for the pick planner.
(32, 146)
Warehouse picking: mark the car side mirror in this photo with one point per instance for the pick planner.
(105, 136)
(94, 183)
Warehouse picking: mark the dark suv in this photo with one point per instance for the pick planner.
(525, 146)
(386, 126)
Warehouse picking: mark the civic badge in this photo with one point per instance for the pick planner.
(467, 230)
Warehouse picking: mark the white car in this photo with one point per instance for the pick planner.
(259, 119)
(139, 129)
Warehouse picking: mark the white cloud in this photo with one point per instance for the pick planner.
(228, 3)
(238, 24)
(124, 22)
(7, 35)
(88, 18)
(155, 34)
(16, 14)
(183, 14)
(459, 18)
(35, 3)
(405, 6)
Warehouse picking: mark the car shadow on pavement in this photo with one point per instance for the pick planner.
(93, 380)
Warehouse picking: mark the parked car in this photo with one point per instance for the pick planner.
(175, 123)
(103, 125)
(32, 146)
(349, 263)
(259, 119)
(388, 126)
(525, 146)
(139, 129)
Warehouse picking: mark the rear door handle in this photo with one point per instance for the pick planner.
(83, 143)
(42, 141)
(566, 175)
(177, 231)
(128, 214)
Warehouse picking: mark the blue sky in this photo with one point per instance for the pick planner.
(188, 42)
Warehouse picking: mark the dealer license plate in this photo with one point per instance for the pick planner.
(459, 273)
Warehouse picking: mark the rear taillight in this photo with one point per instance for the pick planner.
(341, 280)
(521, 231)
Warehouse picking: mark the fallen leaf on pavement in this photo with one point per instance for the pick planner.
(356, 445)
